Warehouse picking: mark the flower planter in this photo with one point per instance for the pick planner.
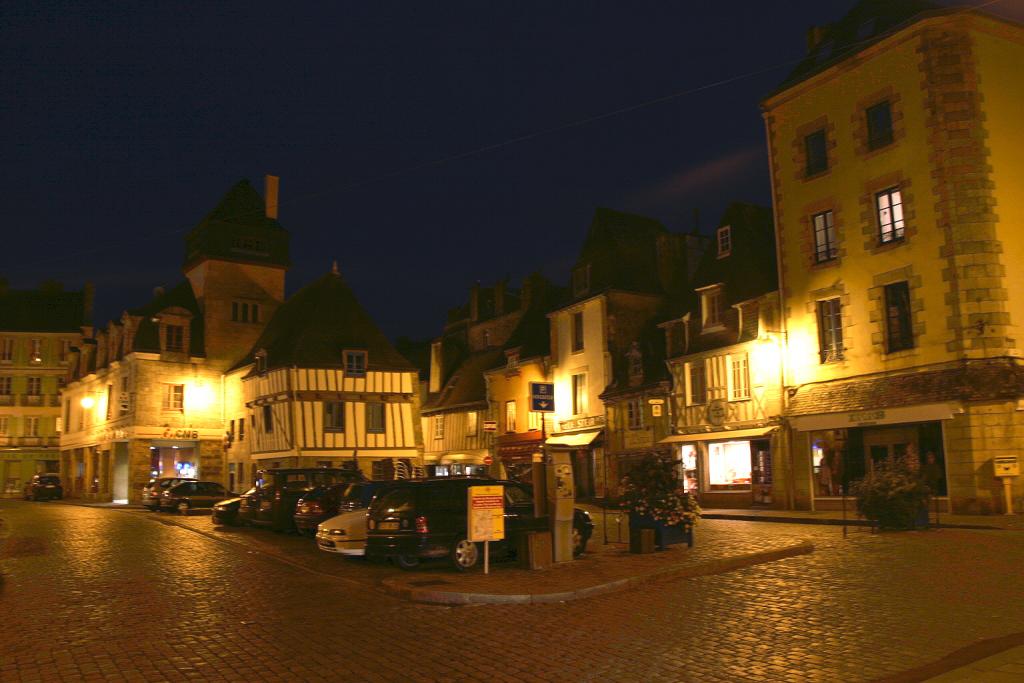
(664, 534)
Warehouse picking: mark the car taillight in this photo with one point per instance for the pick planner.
(312, 507)
(421, 525)
(277, 495)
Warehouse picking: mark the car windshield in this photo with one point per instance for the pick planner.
(49, 480)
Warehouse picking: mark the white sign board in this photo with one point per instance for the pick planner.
(486, 506)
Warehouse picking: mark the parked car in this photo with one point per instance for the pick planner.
(426, 518)
(344, 534)
(325, 502)
(44, 487)
(272, 501)
(191, 495)
(226, 511)
(151, 492)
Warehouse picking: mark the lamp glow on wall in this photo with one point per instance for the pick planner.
(87, 402)
(198, 397)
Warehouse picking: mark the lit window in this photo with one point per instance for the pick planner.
(879, 119)
(697, 387)
(724, 239)
(174, 397)
(634, 413)
(334, 416)
(512, 358)
(816, 151)
(824, 237)
(579, 394)
(35, 351)
(472, 422)
(355, 363)
(830, 331)
(729, 466)
(890, 215)
(439, 426)
(740, 377)
(375, 418)
(899, 332)
(510, 416)
(535, 419)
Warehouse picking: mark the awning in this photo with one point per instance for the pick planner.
(574, 440)
(719, 436)
(882, 416)
(472, 457)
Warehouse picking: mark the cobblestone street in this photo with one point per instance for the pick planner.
(98, 594)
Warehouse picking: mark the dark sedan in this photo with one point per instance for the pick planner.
(192, 495)
(44, 487)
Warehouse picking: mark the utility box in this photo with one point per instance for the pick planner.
(641, 541)
(534, 550)
(561, 502)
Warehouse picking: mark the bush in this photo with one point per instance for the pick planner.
(892, 495)
(653, 489)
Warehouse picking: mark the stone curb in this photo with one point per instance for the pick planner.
(709, 568)
(828, 521)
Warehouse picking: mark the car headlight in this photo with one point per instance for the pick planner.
(336, 532)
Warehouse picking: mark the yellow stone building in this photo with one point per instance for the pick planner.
(146, 396)
(896, 162)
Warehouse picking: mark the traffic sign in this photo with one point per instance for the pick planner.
(490, 425)
(542, 397)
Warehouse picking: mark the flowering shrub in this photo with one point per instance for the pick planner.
(892, 494)
(653, 489)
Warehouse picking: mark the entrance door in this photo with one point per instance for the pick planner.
(761, 472)
(120, 479)
(883, 444)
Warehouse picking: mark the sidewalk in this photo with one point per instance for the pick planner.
(603, 569)
(835, 517)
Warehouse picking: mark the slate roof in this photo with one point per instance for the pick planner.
(974, 381)
(866, 23)
(147, 337)
(321, 320)
(532, 335)
(622, 251)
(651, 345)
(238, 229)
(41, 311)
(467, 385)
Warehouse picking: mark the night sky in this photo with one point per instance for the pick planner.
(122, 125)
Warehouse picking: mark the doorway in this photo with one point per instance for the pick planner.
(761, 472)
(120, 478)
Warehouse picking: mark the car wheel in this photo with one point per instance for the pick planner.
(183, 507)
(407, 562)
(465, 554)
(579, 542)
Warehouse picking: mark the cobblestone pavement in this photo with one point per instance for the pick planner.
(94, 594)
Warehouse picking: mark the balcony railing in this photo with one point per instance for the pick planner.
(32, 399)
(38, 441)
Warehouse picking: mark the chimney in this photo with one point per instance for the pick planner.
(436, 366)
(270, 185)
(814, 36)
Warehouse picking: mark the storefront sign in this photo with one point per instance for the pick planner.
(186, 434)
(878, 416)
(581, 423)
(486, 513)
(866, 417)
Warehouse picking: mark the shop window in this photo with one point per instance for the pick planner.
(174, 397)
(697, 394)
(334, 416)
(268, 419)
(579, 394)
(739, 377)
(472, 422)
(729, 466)
(634, 413)
(824, 237)
(510, 416)
(577, 331)
(899, 332)
(375, 418)
(890, 215)
(879, 119)
(174, 338)
(724, 240)
(830, 331)
(688, 464)
(355, 363)
(815, 147)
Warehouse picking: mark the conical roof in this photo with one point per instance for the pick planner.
(314, 327)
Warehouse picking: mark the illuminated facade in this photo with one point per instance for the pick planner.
(895, 160)
(37, 331)
(724, 356)
(323, 387)
(146, 396)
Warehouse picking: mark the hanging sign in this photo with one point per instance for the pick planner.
(542, 397)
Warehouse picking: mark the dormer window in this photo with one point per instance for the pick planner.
(724, 240)
(174, 338)
(581, 280)
(636, 364)
(261, 361)
(512, 359)
(711, 307)
(245, 312)
(355, 363)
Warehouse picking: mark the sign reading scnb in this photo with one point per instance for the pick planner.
(542, 397)
(486, 513)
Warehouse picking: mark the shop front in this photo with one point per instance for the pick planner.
(516, 454)
(727, 469)
(841, 448)
(468, 463)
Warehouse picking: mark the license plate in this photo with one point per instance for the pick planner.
(389, 526)
(51, 486)
(327, 544)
